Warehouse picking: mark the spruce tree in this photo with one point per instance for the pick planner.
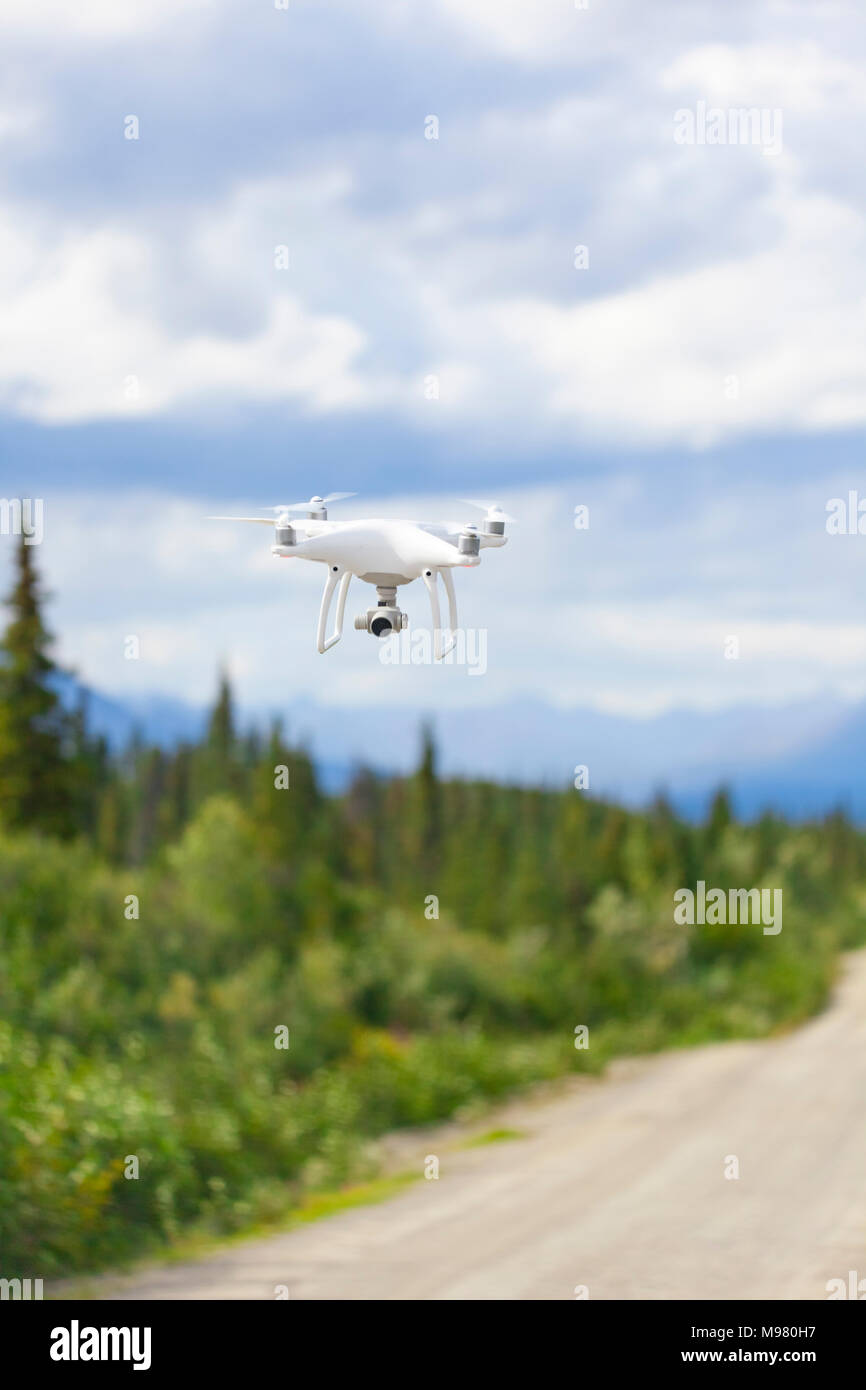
(221, 729)
(425, 820)
(720, 816)
(35, 764)
(217, 766)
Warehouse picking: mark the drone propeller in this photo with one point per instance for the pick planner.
(261, 520)
(313, 502)
(493, 509)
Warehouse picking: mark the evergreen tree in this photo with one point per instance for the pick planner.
(90, 770)
(111, 830)
(218, 764)
(285, 804)
(151, 786)
(35, 780)
(361, 829)
(221, 729)
(427, 820)
(177, 809)
(719, 818)
(608, 862)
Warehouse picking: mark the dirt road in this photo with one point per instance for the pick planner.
(618, 1185)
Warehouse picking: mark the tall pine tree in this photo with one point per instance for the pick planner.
(35, 766)
(218, 768)
(424, 820)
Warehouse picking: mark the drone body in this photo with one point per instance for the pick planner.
(385, 553)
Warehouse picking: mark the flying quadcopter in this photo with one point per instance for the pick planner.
(384, 553)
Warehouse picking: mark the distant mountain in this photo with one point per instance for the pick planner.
(688, 753)
(802, 759)
(159, 719)
(823, 775)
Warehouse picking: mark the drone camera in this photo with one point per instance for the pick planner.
(382, 621)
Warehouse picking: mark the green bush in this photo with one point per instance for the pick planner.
(153, 1037)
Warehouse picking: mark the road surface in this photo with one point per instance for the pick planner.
(618, 1187)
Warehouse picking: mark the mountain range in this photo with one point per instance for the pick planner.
(801, 759)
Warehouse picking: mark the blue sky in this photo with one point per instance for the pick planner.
(699, 383)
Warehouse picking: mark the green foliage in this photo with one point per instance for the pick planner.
(165, 917)
(154, 1036)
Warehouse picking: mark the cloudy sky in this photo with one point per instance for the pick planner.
(435, 249)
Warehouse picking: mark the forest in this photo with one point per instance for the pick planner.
(219, 985)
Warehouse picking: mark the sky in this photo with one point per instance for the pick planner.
(427, 251)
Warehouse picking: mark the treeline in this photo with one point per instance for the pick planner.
(494, 851)
(212, 968)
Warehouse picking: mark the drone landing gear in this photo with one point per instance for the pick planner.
(386, 618)
(344, 578)
(430, 577)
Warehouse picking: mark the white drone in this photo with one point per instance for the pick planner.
(385, 553)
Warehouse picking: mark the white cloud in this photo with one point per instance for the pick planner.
(771, 340)
(724, 295)
(56, 20)
(532, 33)
(552, 33)
(86, 337)
(802, 78)
(18, 121)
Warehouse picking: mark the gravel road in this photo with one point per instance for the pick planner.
(617, 1185)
